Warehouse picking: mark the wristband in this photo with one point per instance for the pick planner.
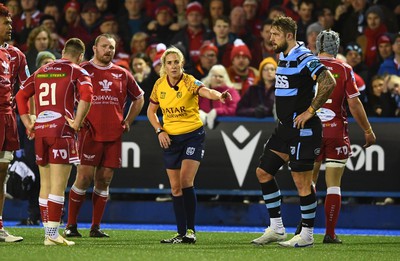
(311, 110)
(368, 131)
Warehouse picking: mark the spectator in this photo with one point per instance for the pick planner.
(51, 8)
(276, 11)
(306, 8)
(180, 7)
(240, 30)
(240, 72)
(140, 66)
(88, 28)
(138, 43)
(312, 32)
(381, 103)
(71, 16)
(148, 83)
(57, 42)
(384, 47)
(192, 35)
(215, 9)
(351, 20)
(14, 7)
(162, 30)
(258, 101)
(253, 21)
(24, 24)
(208, 58)
(103, 6)
(39, 40)
(375, 28)
(223, 40)
(132, 20)
(218, 79)
(353, 55)
(391, 65)
(325, 18)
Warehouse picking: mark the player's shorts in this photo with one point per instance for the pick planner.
(9, 140)
(99, 153)
(56, 150)
(185, 146)
(335, 148)
(299, 144)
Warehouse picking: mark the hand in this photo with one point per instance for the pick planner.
(225, 95)
(126, 126)
(301, 119)
(72, 124)
(164, 140)
(370, 139)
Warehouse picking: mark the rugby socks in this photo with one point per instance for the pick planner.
(180, 216)
(55, 206)
(190, 203)
(273, 199)
(1, 222)
(44, 212)
(99, 200)
(333, 202)
(308, 207)
(75, 201)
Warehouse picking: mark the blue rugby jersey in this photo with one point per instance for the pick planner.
(295, 83)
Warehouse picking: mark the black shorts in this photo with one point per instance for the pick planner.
(299, 144)
(185, 146)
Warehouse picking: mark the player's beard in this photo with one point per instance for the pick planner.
(281, 48)
(105, 59)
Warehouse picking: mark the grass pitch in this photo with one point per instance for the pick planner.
(144, 245)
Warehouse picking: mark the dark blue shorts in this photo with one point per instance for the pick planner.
(185, 146)
(301, 145)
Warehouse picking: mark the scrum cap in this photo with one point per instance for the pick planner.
(328, 41)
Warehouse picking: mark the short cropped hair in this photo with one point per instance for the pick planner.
(74, 47)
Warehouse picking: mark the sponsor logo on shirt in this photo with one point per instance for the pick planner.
(51, 75)
(46, 116)
(325, 114)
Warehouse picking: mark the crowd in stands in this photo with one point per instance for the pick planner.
(226, 43)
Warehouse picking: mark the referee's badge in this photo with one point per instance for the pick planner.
(178, 95)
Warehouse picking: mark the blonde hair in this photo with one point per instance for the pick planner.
(218, 69)
(171, 50)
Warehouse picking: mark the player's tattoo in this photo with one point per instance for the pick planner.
(326, 84)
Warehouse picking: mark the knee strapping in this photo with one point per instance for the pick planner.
(335, 163)
(271, 162)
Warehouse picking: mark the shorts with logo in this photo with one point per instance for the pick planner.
(300, 144)
(9, 140)
(98, 153)
(56, 150)
(335, 148)
(185, 146)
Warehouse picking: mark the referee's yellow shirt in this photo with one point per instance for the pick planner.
(180, 108)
